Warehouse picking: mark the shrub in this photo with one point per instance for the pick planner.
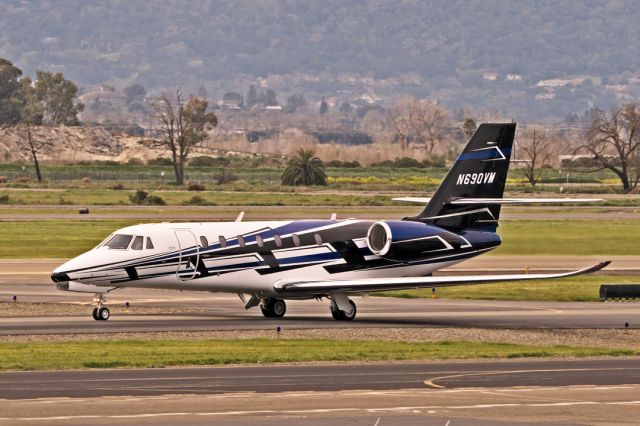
(225, 177)
(117, 186)
(160, 161)
(85, 180)
(135, 162)
(155, 201)
(3, 179)
(207, 161)
(197, 200)
(196, 187)
(143, 198)
(4, 199)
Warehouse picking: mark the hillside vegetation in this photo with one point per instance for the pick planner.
(373, 48)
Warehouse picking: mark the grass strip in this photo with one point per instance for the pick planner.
(584, 288)
(68, 238)
(165, 353)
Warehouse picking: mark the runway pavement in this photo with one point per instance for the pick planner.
(223, 312)
(459, 393)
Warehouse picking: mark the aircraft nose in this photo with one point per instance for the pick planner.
(60, 277)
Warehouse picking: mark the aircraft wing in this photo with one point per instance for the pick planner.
(380, 284)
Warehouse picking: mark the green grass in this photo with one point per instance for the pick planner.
(67, 238)
(108, 197)
(164, 353)
(54, 239)
(570, 237)
(584, 288)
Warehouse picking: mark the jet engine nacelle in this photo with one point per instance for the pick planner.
(407, 240)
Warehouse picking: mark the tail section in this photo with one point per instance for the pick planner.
(480, 172)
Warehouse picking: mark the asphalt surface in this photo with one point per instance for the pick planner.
(604, 391)
(206, 312)
(317, 378)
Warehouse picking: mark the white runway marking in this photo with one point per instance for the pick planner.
(428, 408)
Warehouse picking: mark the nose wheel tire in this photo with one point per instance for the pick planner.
(273, 308)
(339, 315)
(101, 314)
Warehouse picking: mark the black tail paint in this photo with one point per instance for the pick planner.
(479, 172)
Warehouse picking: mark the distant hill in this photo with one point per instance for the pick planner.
(488, 55)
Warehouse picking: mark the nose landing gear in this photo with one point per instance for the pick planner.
(100, 313)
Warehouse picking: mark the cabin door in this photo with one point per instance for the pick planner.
(189, 254)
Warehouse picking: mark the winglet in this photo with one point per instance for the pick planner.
(240, 217)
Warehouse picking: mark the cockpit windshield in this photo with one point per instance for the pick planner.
(119, 242)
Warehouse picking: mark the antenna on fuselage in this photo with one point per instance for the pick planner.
(240, 216)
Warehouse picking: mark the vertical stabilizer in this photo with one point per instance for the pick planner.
(479, 172)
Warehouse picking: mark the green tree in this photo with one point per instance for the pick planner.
(184, 124)
(252, 96)
(324, 106)
(294, 102)
(469, 127)
(11, 99)
(304, 169)
(135, 93)
(270, 98)
(59, 98)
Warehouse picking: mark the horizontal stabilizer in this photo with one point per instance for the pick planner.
(491, 201)
(467, 201)
(381, 284)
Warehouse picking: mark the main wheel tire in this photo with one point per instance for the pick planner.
(104, 314)
(339, 315)
(274, 308)
(94, 314)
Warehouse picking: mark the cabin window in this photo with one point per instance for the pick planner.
(278, 240)
(296, 240)
(223, 241)
(203, 241)
(318, 238)
(240, 240)
(149, 244)
(137, 243)
(119, 242)
(260, 241)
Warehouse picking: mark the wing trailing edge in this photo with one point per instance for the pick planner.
(381, 284)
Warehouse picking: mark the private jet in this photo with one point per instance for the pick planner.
(269, 262)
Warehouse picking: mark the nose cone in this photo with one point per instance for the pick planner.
(59, 277)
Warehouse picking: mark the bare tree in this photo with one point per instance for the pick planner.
(432, 124)
(404, 120)
(183, 125)
(536, 146)
(613, 142)
(419, 122)
(32, 113)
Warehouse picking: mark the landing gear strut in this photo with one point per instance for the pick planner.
(273, 308)
(343, 314)
(100, 313)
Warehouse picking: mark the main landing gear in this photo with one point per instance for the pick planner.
(100, 313)
(273, 308)
(343, 314)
